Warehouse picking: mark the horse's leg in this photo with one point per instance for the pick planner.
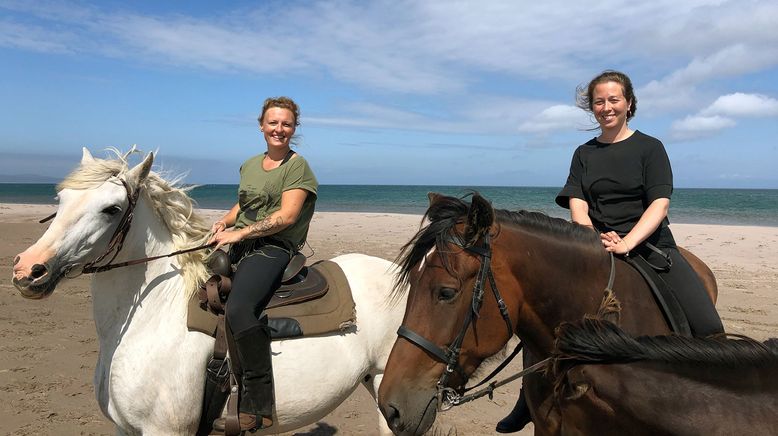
(703, 272)
(372, 386)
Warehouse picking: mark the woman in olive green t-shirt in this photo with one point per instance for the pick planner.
(276, 200)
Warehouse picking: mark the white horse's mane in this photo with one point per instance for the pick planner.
(169, 200)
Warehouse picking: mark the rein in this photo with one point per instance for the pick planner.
(119, 235)
(447, 396)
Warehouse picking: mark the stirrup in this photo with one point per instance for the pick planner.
(219, 424)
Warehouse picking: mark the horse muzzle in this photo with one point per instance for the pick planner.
(37, 284)
(409, 420)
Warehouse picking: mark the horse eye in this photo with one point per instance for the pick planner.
(112, 210)
(447, 294)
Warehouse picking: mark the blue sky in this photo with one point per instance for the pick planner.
(391, 92)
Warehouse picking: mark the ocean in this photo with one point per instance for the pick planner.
(757, 207)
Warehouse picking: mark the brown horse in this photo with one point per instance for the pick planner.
(608, 383)
(548, 271)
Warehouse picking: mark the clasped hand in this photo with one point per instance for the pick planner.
(614, 243)
(221, 236)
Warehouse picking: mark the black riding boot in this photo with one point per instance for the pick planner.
(256, 399)
(517, 419)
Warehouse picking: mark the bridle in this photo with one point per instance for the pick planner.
(447, 396)
(118, 237)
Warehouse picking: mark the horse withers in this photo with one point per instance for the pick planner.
(150, 371)
(477, 276)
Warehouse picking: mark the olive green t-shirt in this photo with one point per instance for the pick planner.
(259, 195)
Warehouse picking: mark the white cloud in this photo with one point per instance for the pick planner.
(721, 115)
(32, 38)
(430, 47)
(678, 90)
(697, 126)
(743, 105)
(557, 117)
(491, 115)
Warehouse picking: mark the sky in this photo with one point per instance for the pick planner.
(438, 92)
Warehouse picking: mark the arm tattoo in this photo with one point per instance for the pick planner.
(265, 227)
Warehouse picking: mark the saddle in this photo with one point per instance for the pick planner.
(311, 300)
(298, 283)
(664, 296)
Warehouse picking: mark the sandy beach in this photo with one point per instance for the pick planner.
(48, 348)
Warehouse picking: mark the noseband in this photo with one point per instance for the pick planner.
(447, 396)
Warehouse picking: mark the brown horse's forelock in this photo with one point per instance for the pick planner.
(446, 212)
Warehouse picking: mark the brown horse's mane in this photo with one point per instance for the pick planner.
(446, 212)
(598, 341)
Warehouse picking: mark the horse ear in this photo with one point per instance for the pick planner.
(480, 217)
(433, 197)
(138, 173)
(86, 156)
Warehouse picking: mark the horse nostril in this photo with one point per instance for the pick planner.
(38, 271)
(17, 259)
(392, 415)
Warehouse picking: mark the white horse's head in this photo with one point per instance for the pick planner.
(92, 202)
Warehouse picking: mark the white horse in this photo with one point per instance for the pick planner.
(150, 371)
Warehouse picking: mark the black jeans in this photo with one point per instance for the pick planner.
(689, 290)
(256, 278)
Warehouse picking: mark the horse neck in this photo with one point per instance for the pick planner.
(549, 280)
(149, 294)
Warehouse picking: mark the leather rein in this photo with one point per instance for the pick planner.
(448, 397)
(117, 240)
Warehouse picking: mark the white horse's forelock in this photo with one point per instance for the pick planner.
(168, 199)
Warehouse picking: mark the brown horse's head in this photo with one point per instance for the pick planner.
(441, 273)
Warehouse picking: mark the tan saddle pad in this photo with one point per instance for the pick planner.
(334, 311)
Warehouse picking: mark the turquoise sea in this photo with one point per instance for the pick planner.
(697, 206)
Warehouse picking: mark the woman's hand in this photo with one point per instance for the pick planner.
(225, 237)
(614, 243)
(218, 226)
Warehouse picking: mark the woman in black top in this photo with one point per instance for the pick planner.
(620, 185)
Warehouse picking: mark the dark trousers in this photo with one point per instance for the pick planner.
(689, 290)
(257, 276)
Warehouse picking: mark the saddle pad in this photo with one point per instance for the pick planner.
(334, 312)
